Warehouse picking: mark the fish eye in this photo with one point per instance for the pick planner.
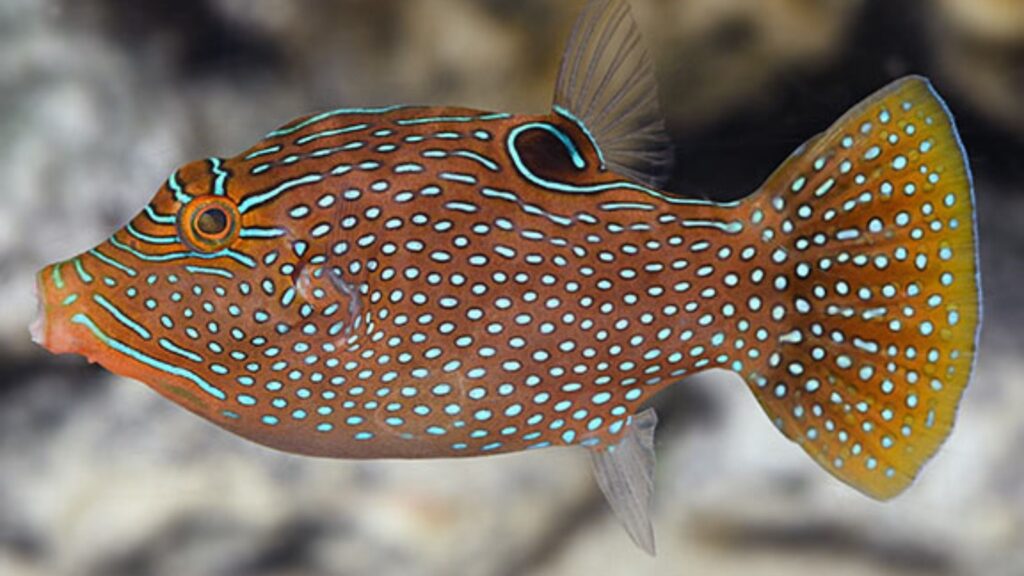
(208, 223)
(213, 221)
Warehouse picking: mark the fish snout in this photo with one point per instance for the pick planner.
(55, 304)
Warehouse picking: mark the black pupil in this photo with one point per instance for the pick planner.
(213, 221)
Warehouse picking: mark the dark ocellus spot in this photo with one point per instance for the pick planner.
(545, 155)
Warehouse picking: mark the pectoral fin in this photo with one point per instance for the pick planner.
(329, 293)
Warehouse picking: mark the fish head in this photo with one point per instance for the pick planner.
(162, 299)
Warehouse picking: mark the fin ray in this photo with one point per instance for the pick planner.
(625, 474)
(606, 82)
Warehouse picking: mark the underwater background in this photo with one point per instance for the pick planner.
(101, 99)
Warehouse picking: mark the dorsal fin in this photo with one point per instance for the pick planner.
(606, 83)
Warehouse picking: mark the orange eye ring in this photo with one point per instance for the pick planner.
(208, 223)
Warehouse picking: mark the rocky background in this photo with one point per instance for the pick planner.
(101, 99)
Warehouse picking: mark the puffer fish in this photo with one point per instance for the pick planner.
(424, 282)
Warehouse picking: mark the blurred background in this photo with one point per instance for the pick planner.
(101, 99)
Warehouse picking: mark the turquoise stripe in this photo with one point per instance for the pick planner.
(486, 162)
(58, 279)
(159, 218)
(217, 165)
(263, 152)
(531, 209)
(253, 201)
(502, 194)
(122, 317)
(331, 114)
(174, 348)
(456, 177)
(240, 258)
(461, 119)
(134, 354)
(210, 271)
(433, 120)
(82, 274)
(179, 192)
(616, 206)
(727, 227)
(261, 233)
(330, 133)
(161, 240)
(110, 261)
(583, 127)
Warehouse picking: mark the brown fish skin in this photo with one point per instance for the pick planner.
(446, 277)
(434, 282)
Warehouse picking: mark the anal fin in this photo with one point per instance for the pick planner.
(625, 473)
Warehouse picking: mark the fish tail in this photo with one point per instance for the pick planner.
(859, 330)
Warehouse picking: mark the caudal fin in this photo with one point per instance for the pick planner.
(862, 321)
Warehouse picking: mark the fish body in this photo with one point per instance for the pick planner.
(419, 282)
(486, 311)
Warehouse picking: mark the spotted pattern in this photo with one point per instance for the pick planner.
(395, 289)
(860, 334)
(420, 282)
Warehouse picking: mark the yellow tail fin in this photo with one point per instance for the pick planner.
(868, 303)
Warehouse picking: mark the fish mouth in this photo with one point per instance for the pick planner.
(56, 302)
(69, 320)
